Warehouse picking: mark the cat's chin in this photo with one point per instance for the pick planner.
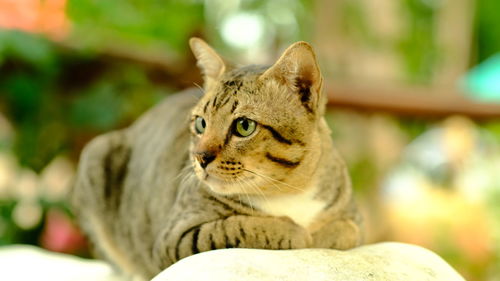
(218, 186)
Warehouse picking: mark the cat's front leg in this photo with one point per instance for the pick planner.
(340, 234)
(237, 231)
(251, 232)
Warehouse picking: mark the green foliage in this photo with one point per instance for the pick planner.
(33, 50)
(56, 102)
(58, 98)
(10, 232)
(355, 23)
(364, 174)
(487, 28)
(417, 47)
(135, 22)
(28, 70)
(413, 127)
(493, 128)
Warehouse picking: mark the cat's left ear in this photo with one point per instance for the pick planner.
(210, 63)
(297, 68)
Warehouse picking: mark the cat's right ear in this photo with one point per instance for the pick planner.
(298, 69)
(210, 63)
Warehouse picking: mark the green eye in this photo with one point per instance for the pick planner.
(199, 125)
(244, 127)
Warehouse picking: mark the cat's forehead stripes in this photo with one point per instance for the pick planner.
(205, 107)
(235, 105)
(232, 83)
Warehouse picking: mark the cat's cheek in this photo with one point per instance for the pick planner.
(199, 172)
(217, 187)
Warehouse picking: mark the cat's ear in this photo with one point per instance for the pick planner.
(297, 68)
(210, 63)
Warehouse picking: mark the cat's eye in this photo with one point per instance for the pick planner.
(199, 125)
(244, 127)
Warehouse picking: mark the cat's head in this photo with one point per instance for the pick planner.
(256, 128)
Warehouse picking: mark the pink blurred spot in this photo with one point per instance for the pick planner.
(61, 235)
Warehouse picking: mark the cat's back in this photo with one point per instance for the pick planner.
(169, 117)
(160, 140)
(124, 169)
(128, 179)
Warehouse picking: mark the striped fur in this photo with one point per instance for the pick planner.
(158, 191)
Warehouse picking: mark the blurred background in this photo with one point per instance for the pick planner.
(414, 103)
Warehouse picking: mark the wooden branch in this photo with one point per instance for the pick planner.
(419, 102)
(403, 101)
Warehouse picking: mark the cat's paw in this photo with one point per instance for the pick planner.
(341, 235)
(298, 237)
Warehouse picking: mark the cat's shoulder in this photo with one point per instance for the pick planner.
(173, 109)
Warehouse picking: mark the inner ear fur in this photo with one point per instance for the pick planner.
(212, 66)
(298, 69)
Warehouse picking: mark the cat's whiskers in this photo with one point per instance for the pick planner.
(239, 199)
(275, 185)
(186, 177)
(199, 87)
(241, 184)
(182, 173)
(273, 180)
(259, 191)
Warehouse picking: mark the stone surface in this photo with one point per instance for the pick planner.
(383, 261)
(28, 263)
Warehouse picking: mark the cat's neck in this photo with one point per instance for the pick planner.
(302, 206)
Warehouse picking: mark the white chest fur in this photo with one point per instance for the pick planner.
(302, 208)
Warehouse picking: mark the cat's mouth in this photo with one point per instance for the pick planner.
(222, 176)
(224, 171)
(222, 181)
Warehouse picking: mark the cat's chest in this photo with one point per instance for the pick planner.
(302, 208)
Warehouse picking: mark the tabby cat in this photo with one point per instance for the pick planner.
(248, 163)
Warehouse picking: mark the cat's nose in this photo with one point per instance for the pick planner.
(205, 157)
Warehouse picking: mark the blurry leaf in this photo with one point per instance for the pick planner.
(37, 143)
(413, 127)
(355, 22)
(487, 28)
(417, 46)
(10, 233)
(29, 48)
(135, 22)
(363, 174)
(99, 109)
(23, 94)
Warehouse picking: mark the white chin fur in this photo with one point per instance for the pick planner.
(217, 185)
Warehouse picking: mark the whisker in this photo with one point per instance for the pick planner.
(199, 87)
(254, 186)
(275, 185)
(240, 183)
(239, 199)
(271, 182)
(274, 180)
(183, 172)
(186, 178)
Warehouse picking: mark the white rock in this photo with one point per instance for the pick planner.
(383, 261)
(29, 263)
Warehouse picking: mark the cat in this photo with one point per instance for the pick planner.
(245, 162)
